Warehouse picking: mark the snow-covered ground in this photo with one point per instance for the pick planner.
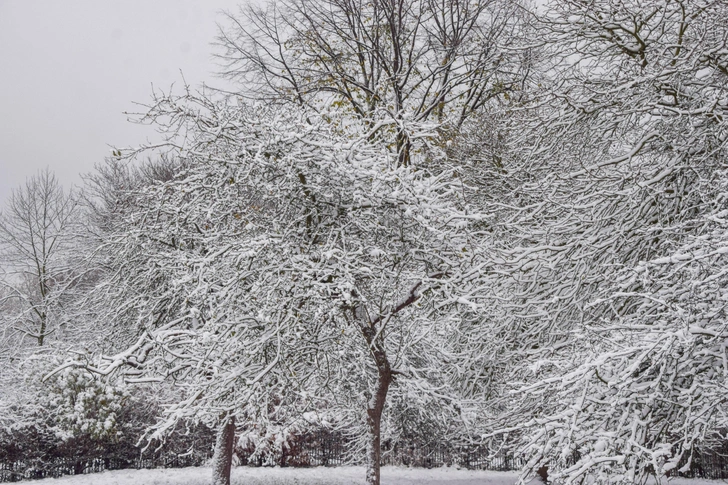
(305, 476)
(287, 476)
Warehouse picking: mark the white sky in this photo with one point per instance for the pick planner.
(69, 68)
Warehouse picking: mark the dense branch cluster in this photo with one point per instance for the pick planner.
(496, 223)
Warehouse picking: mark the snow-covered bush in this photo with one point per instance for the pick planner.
(83, 404)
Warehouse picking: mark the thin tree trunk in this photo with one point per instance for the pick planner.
(404, 147)
(223, 458)
(374, 425)
(41, 335)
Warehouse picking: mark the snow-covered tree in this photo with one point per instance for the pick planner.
(610, 260)
(352, 222)
(393, 66)
(110, 197)
(36, 239)
(291, 260)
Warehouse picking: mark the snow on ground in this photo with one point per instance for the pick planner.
(287, 476)
(306, 476)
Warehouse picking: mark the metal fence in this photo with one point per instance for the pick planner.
(325, 448)
(711, 464)
(22, 470)
(437, 455)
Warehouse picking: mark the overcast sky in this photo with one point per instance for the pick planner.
(69, 69)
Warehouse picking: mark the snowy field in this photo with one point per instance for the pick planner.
(306, 476)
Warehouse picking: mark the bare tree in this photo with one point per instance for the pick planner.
(413, 61)
(35, 233)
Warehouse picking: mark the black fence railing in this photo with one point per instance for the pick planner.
(316, 448)
(330, 448)
(326, 448)
(437, 455)
(23, 470)
(711, 464)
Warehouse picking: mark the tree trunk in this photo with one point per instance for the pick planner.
(404, 147)
(374, 425)
(223, 458)
(543, 473)
(41, 335)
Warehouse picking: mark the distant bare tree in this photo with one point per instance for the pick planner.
(35, 234)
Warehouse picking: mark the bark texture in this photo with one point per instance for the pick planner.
(223, 458)
(543, 473)
(375, 408)
(374, 426)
